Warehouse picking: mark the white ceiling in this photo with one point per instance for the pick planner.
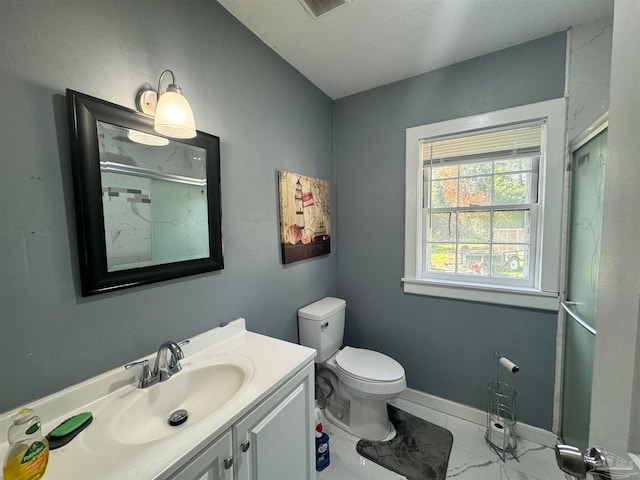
(367, 43)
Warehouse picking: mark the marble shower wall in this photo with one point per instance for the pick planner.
(589, 72)
(126, 204)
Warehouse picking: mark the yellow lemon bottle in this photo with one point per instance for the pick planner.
(28, 449)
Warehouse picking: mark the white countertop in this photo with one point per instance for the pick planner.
(91, 456)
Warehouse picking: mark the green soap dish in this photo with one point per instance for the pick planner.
(67, 430)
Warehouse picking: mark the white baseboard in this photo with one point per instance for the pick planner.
(474, 415)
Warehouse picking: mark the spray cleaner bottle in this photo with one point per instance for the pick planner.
(322, 449)
(28, 453)
(322, 444)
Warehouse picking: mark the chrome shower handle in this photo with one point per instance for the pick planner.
(571, 461)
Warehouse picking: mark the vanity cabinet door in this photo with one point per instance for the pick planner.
(276, 440)
(215, 462)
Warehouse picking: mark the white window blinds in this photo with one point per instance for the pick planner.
(469, 147)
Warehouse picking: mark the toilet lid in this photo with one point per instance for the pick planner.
(369, 365)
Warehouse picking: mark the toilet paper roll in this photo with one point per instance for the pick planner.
(509, 365)
(500, 435)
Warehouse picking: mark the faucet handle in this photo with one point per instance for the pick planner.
(144, 363)
(146, 377)
(177, 355)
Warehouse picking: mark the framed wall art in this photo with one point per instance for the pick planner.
(305, 230)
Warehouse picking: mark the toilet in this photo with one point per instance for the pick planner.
(362, 380)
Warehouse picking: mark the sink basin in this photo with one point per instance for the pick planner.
(201, 391)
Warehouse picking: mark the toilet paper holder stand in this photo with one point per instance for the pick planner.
(501, 411)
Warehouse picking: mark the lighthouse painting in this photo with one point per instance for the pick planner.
(304, 216)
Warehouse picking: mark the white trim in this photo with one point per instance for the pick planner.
(526, 298)
(567, 63)
(474, 415)
(547, 283)
(590, 132)
(560, 328)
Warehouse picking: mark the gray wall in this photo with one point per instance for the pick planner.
(446, 346)
(268, 118)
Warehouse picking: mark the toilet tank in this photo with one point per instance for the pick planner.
(321, 326)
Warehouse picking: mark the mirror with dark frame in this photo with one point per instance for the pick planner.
(147, 206)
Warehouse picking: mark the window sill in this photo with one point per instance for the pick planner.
(521, 297)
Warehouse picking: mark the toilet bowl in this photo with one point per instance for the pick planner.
(359, 401)
(362, 380)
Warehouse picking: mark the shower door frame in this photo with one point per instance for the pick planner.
(577, 142)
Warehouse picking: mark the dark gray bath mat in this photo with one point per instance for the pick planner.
(419, 451)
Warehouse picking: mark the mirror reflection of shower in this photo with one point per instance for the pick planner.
(154, 199)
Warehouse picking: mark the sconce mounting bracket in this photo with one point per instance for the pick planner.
(146, 102)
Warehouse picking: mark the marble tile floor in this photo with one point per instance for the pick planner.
(471, 458)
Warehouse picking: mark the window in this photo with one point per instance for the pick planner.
(484, 206)
(480, 197)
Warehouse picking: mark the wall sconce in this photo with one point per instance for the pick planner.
(173, 115)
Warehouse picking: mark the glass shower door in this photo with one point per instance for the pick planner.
(585, 228)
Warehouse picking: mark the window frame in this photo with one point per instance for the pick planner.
(544, 292)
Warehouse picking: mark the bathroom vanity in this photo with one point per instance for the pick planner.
(270, 442)
(249, 398)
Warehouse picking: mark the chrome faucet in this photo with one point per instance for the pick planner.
(167, 364)
(165, 367)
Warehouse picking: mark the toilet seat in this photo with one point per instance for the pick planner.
(355, 359)
(369, 365)
(370, 372)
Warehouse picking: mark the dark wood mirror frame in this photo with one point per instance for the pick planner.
(84, 113)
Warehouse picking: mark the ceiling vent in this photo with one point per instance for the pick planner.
(317, 8)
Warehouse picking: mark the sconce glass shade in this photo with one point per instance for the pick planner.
(146, 138)
(174, 117)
